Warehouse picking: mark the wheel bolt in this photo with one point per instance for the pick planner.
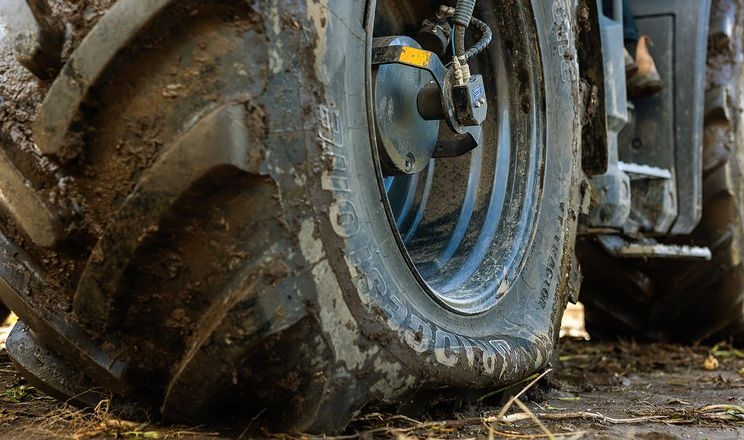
(409, 163)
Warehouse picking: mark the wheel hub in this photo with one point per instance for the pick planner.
(404, 139)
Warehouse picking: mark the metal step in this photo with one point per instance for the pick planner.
(638, 171)
(622, 247)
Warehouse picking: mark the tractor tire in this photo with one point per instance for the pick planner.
(211, 236)
(687, 301)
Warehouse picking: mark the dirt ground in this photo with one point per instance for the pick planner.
(605, 390)
(612, 390)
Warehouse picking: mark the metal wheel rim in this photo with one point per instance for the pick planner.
(464, 225)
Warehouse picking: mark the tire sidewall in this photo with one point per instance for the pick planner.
(503, 344)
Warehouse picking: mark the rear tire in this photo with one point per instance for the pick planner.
(230, 246)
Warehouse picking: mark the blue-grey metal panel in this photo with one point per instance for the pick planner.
(681, 63)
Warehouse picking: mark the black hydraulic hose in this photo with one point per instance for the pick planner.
(485, 39)
(459, 40)
(463, 13)
(463, 17)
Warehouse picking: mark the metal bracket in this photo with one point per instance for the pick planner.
(456, 140)
(450, 144)
(409, 56)
(420, 59)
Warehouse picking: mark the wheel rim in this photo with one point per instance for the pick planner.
(465, 224)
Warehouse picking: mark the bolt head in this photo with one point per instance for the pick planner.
(409, 163)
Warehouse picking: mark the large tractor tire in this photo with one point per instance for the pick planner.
(687, 300)
(212, 235)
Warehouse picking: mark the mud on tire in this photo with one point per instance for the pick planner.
(220, 243)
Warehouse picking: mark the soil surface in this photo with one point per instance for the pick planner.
(606, 390)
(611, 390)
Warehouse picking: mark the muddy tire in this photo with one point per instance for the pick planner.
(221, 240)
(687, 301)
